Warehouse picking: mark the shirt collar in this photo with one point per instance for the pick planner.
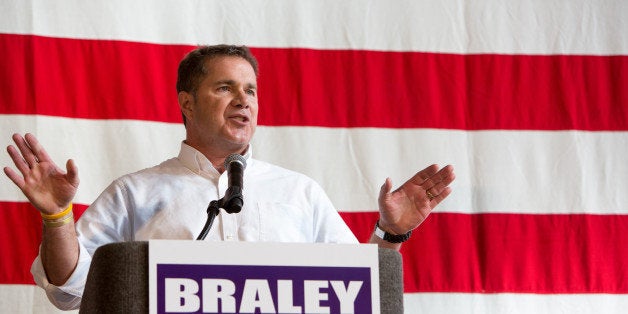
(197, 162)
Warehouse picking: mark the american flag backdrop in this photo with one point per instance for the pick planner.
(527, 99)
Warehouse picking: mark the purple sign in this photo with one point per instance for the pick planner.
(262, 289)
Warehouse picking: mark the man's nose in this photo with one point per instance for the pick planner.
(241, 100)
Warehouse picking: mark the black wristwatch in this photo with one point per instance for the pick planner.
(392, 238)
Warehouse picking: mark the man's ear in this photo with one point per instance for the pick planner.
(186, 101)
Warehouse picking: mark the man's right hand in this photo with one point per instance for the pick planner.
(46, 186)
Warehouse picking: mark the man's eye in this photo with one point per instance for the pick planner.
(223, 88)
(250, 92)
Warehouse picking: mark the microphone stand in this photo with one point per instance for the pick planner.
(212, 211)
(232, 201)
(232, 204)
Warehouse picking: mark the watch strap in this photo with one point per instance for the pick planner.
(389, 237)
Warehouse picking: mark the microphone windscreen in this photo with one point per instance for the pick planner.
(237, 158)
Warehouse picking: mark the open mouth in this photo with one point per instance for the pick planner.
(240, 118)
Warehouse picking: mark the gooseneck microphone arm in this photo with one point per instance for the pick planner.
(212, 211)
(233, 200)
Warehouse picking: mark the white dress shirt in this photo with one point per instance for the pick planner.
(169, 201)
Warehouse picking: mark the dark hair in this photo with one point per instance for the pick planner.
(192, 67)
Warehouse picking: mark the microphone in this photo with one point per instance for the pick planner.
(232, 202)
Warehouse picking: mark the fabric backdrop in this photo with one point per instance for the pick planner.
(528, 100)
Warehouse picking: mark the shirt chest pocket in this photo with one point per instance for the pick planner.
(281, 222)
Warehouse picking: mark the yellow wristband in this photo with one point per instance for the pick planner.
(58, 215)
(59, 222)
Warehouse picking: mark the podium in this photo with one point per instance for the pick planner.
(117, 281)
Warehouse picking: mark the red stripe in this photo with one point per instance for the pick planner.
(500, 253)
(103, 79)
(94, 79)
(483, 253)
(21, 225)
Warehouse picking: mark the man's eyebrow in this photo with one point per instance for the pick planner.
(225, 82)
(232, 82)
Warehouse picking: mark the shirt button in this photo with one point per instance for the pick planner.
(229, 237)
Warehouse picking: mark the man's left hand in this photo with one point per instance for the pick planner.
(408, 206)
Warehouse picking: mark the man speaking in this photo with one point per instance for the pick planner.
(217, 95)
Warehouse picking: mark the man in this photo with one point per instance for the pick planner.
(217, 95)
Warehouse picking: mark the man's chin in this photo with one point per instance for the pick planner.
(240, 138)
(239, 145)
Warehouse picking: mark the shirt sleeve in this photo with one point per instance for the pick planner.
(68, 296)
(103, 222)
(329, 226)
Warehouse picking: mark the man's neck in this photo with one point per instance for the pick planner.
(217, 156)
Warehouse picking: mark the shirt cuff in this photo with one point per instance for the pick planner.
(67, 296)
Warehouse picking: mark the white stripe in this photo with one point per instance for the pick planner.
(491, 26)
(102, 149)
(514, 303)
(497, 171)
(31, 299)
(26, 299)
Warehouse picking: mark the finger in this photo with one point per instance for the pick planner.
(18, 160)
(386, 187)
(16, 178)
(37, 149)
(25, 150)
(439, 187)
(384, 193)
(443, 175)
(440, 197)
(424, 174)
(72, 171)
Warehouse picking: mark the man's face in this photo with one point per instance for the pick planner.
(222, 115)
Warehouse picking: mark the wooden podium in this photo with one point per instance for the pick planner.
(118, 280)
